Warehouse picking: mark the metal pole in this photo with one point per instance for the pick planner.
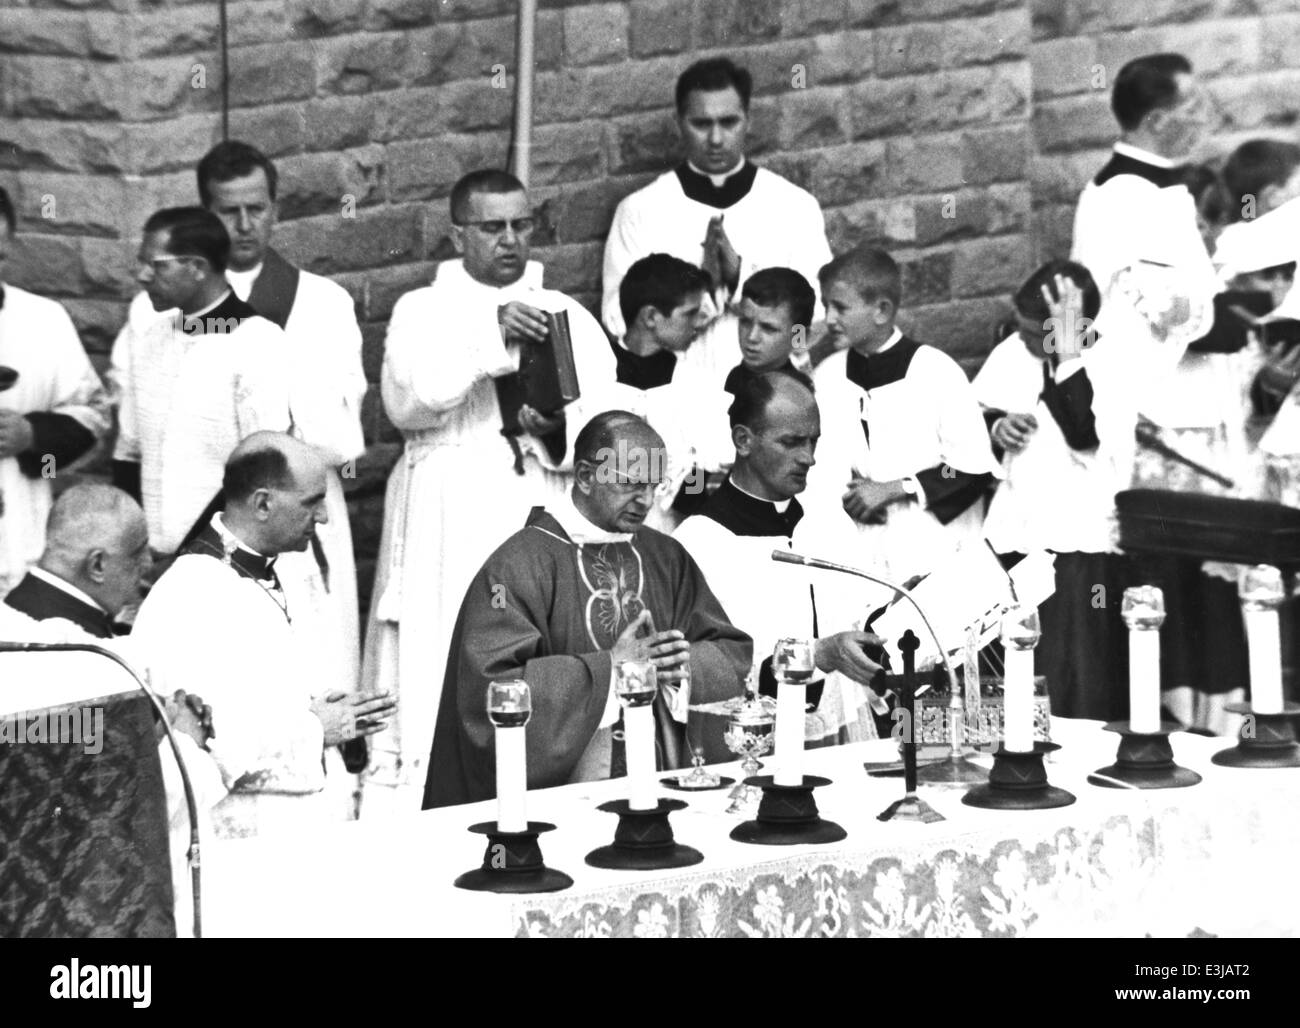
(522, 136)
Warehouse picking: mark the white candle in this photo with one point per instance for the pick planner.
(1265, 644)
(639, 738)
(512, 780)
(1143, 610)
(791, 702)
(1144, 680)
(1018, 701)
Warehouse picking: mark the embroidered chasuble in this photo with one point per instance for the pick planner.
(548, 609)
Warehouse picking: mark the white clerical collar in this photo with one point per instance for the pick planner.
(717, 180)
(456, 275)
(242, 281)
(894, 337)
(780, 505)
(65, 586)
(210, 307)
(578, 528)
(227, 536)
(1145, 156)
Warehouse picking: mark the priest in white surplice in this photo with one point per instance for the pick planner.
(51, 411)
(219, 624)
(905, 455)
(238, 184)
(192, 384)
(776, 427)
(716, 209)
(476, 461)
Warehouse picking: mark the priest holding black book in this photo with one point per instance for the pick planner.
(483, 445)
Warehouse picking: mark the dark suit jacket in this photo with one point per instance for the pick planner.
(41, 601)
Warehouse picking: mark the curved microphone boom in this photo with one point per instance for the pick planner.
(786, 557)
(190, 802)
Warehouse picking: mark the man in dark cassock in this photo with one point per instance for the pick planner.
(583, 586)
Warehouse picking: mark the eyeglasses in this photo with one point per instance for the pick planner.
(152, 262)
(519, 226)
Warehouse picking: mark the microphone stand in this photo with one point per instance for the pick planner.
(958, 769)
(190, 802)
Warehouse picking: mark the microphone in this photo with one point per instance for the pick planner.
(786, 557)
(190, 802)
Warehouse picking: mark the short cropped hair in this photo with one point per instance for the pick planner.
(193, 232)
(773, 287)
(660, 281)
(7, 211)
(711, 75)
(263, 468)
(1256, 165)
(869, 270)
(754, 396)
(1029, 297)
(485, 180)
(1146, 84)
(231, 160)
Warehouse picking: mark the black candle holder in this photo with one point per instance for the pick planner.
(911, 807)
(1018, 781)
(1266, 740)
(513, 862)
(1144, 760)
(643, 840)
(787, 815)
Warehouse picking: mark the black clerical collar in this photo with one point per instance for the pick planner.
(1126, 163)
(700, 188)
(745, 515)
(741, 374)
(225, 317)
(226, 548)
(882, 368)
(648, 372)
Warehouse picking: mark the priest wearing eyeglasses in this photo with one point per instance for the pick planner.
(477, 458)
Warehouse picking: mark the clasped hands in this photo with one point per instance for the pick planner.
(345, 716)
(721, 260)
(866, 500)
(668, 651)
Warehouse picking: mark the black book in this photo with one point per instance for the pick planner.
(547, 377)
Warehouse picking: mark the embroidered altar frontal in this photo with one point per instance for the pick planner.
(83, 825)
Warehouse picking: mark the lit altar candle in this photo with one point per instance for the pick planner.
(1020, 635)
(509, 705)
(793, 666)
(1143, 610)
(634, 682)
(1260, 588)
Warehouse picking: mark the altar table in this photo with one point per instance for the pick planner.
(1212, 859)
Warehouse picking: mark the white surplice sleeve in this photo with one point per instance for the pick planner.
(623, 247)
(122, 387)
(328, 381)
(962, 436)
(262, 375)
(439, 346)
(75, 389)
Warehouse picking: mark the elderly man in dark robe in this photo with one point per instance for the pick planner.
(580, 588)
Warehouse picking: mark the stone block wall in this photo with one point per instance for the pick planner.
(954, 132)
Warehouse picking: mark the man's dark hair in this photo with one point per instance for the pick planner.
(773, 287)
(1146, 84)
(193, 232)
(7, 212)
(1253, 167)
(266, 468)
(1029, 297)
(749, 408)
(711, 75)
(485, 180)
(659, 281)
(869, 270)
(231, 160)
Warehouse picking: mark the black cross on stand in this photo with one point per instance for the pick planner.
(911, 807)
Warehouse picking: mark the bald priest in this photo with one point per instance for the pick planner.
(583, 586)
